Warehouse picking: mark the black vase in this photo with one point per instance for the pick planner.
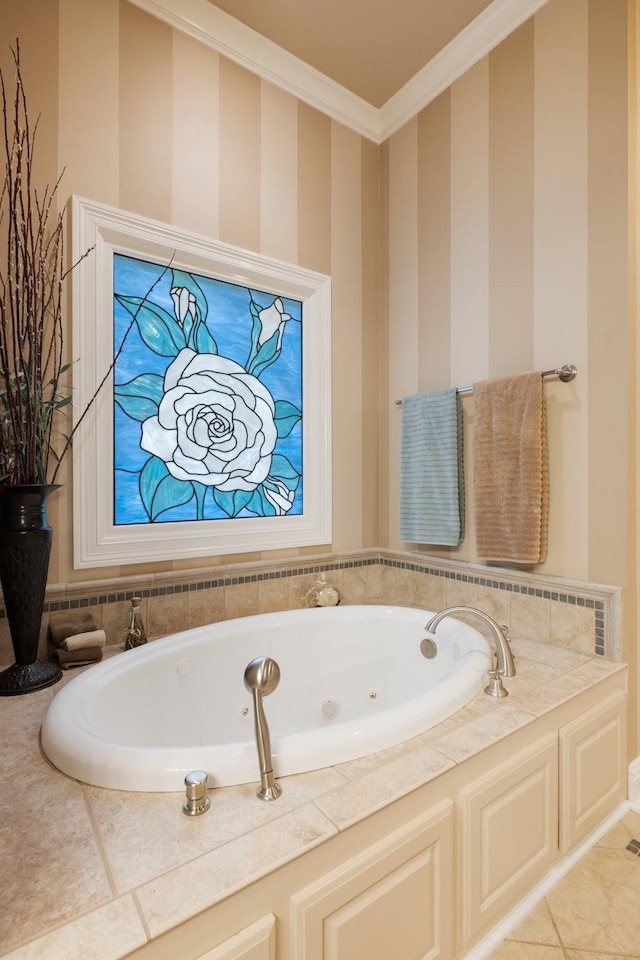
(25, 546)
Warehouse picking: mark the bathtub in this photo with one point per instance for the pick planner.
(353, 681)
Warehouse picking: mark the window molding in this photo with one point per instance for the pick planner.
(96, 540)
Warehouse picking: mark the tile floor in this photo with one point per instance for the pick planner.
(593, 913)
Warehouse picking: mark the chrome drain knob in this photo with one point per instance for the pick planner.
(197, 801)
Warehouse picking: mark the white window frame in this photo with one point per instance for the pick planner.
(96, 540)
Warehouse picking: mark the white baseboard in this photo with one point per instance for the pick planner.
(634, 784)
(502, 930)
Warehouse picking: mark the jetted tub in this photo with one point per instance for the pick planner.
(353, 681)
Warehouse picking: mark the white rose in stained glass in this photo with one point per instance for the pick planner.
(215, 423)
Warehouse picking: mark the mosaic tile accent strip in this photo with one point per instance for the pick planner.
(327, 567)
(485, 581)
(231, 581)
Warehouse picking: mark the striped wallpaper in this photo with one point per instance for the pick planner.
(506, 228)
(152, 121)
(486, 236)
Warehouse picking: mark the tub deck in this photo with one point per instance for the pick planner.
(73, 855)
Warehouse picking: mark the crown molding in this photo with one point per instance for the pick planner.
(251, 50)
(473, 43)
(234, 40)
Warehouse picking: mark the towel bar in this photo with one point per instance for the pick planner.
(566, 373)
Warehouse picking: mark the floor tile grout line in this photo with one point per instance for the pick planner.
(555, 925)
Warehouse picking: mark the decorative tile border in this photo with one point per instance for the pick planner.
(493, 583)
(525, 585)
(230, 581)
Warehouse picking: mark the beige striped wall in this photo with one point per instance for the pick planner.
(491, 229)
(155, 122)
(507, 238)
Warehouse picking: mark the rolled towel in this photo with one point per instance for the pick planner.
(66, 625)
(92, 638)
(76, 658)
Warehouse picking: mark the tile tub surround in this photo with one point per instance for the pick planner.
(581, 616)
(75, 858)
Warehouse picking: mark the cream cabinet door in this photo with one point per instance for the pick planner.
(255, 942)
(395, 900)
(509, 834)
(592, 769)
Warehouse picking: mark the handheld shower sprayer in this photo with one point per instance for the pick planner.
(261, 678)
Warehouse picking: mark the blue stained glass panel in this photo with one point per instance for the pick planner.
(207, 418)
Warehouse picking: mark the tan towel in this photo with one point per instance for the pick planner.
(92, 638)
(510, 478)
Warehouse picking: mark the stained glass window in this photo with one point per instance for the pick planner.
(207, 417)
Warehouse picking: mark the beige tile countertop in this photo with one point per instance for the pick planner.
(77, 861)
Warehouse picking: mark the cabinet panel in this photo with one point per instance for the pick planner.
(393, 900)
(255, 942)
(592, 769)
(381, 921)
(509, 835)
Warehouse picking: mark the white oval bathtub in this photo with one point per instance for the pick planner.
(353, 681)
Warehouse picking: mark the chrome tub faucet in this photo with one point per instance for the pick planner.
(505, 666)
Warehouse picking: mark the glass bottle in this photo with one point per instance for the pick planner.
(134, 635)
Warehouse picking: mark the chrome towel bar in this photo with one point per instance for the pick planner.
(566, 373)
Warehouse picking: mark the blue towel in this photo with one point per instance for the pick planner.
(431, 469)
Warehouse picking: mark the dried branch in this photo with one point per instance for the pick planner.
(32, 279)
(31, 290)
(69, 440)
